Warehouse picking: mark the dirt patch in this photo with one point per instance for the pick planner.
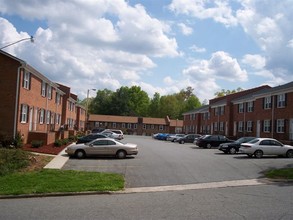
(45, 149)
(37, 162)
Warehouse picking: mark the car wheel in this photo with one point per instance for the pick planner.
(80, 154)
(232, 150)
(209, 146)
(249, 155)
(181, 142)
(289, 154)
(121, 154)
(258, 154)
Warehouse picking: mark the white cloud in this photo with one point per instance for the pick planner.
(197, 49)
(185, 29)
(218, 10)
(254, 60)
(95, 44)
(290, 43)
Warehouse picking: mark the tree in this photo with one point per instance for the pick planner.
(102, 102)
(224, 92)
(154, 107)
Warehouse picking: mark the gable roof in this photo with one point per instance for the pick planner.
(113, 118)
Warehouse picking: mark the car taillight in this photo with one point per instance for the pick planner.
(246, 146)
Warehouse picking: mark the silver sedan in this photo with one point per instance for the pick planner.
(266, 146)
(102, 146)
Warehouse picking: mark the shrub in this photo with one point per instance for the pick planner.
(12, 160)
(58, 143)
(18, 141)
(37, 143)
(72, 138)
(65, 141)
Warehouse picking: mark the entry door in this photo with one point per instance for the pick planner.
(258, 128)
(31, 119)
(291, 129)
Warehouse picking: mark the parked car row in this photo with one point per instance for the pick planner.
(251, 146)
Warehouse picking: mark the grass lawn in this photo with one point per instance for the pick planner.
(49, 181)
(286, 173)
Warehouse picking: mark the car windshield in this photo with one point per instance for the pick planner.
(241, 140)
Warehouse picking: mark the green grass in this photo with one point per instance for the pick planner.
(286, 173)
(50, 181)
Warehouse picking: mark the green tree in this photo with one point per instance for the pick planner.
(224, 92)
(102, 102)
(154, 107)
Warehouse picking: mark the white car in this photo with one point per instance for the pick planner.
(103, 147)
(174, 136)
(113, 134)
(266, 146)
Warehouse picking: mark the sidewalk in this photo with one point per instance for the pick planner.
(59, 160)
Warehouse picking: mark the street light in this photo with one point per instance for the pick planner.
(31, 38)
(87, 105)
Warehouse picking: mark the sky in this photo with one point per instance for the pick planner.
(162, 46)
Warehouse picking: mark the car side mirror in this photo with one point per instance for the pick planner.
(91, 145)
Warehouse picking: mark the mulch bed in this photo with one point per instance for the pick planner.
(45, 149)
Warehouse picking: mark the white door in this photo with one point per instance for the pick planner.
(35, 119)
(291, 129)
(31, 119)
(258, 128)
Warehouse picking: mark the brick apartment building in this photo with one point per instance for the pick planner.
(136, 125)
(34, 105)
(261, 112)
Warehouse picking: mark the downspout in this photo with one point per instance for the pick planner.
(244, 119)
(16, 100)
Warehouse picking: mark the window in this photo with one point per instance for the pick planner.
(49, 91)
(266, 125)
(216, 110)
(42, 116)
(58, 98)
(215, 126)
(222, 110)
(240, 126)
(114, 125)
(58, 119)
(281, 100)
(123, 125)
(129, 125)
(280, 126)
(250, 107)
(135, 126)
(241, 108)
(161, 127)
(26, 80)
(48, 117)
(24, 114)
(144, 126)
(43, 89)
(221, 126)
(267, 102)
(249, 126)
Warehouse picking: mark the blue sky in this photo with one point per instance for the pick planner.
(160, 45)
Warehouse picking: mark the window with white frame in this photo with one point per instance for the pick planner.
(114, 124)
(266, 125)
(123, 125)
(241, 108)
(52, 119)
(215, 126)
(43, 89)
(281, 100)
(216, 110)
(250, 106)
(161, 127)
(222, 110)
(49, 91)
(42, 116)
(135, 126)
(249, 126)
(58, 119)
(221, 126)
(267, 102)
(152, 127)
(24, 113)
(240, 126)
(280, 126)
(144, 126)
(58, 98)
(48, 117)
(129, 126)
(26, 80)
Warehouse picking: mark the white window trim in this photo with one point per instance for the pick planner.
(26, 80)
(24, 114)
(280, 125)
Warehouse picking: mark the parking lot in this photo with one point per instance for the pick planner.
(163, 163)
